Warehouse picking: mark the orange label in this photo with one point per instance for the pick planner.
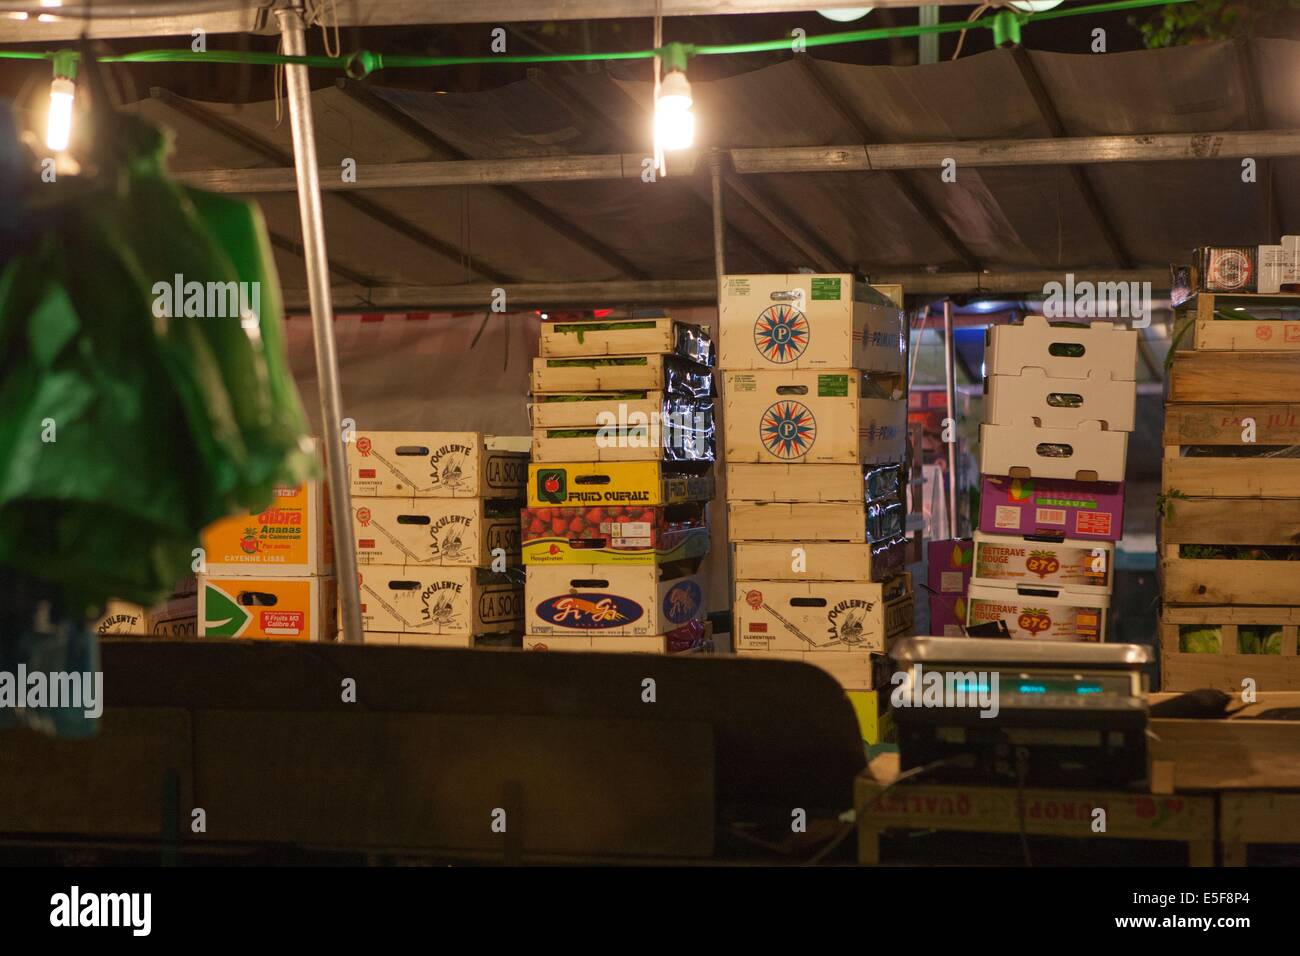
(279, 536)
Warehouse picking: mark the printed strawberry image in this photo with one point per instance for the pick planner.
(576, 527)
(559, 527)
(248, 543)
(595, 516)
(1034, 619)
(1042, 563)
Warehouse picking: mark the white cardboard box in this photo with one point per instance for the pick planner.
(653, 644)
(768, 481)
(853, 671)
(1062, 615)
(384, 464)
(1008, 561)
(413, 532)
(823, 616)
(816, 560)
(1061, 402)
(1088, 453)
(804, 321)
(813, 417)
(1061, 351)
(610, 599)
(447, 602)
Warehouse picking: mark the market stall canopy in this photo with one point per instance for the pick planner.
(1186, 115)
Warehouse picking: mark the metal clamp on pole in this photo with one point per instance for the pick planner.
(292, 27)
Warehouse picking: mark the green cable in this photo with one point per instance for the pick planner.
(362, 62)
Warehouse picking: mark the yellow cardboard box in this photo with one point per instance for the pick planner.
(602, 483)
(292, 537)
(383, 464)
(441, 601)
(813, 417)
(270, 608)
(415, 532)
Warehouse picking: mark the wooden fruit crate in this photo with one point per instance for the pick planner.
(1216, 322)
(1256, 817)
(1055, 813)
(1185, 670)
(1218, 377)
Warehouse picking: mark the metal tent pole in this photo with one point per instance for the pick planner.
(950, 386)
(322, 321)
(719, 220)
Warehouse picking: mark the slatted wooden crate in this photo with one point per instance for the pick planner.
(1257, 817)
(1216, 377)
(1227, 669)
(1217, 321)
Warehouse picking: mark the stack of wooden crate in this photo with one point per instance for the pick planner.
(616, 524)
(1230, 531)
(436, 521)
(815, 427)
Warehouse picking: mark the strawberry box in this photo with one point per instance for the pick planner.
(810, 417)
(443, 601)
(268, 608)
(435, 531)
(1046, 614)
(590, 483)
(292, 537)
(614, 534)
(1008, 561)
(612, 600)
(1092, 510)
(824, 616)
(1086, 453)
(802, 321)
(626, 336)
(1061, 351)
(664, 373)
(436, 465)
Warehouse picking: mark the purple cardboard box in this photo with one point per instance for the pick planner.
(948, 569)
(1076, 509)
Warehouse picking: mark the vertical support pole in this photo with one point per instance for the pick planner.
(950, 387)
(929, 42)
(292, 29)
(719, 222)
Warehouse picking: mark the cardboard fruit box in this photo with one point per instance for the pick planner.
(804, 482)
(442, 640)
(1061, 351)
(686, 433)
(1086, 453)
(948, 572)
(292, 537)
(437, 465)
(1092, 510)
(612, 600)
(590, 483)
(415, 532)
(664, 373)
(440, 601)
(826, 616)
(683, 642)
(1008, 561)
(617, 534)
(626, 336)
(857, 521)
(813, 417)
(800, 560)
(269, 608)
(856, 671)
(1061, 402)
(1058, 614)
(802, 321)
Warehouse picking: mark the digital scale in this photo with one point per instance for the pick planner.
(1041, 713)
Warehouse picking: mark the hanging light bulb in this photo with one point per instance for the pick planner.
(1035, 6)
(846, 14)
(674, 121)
(58, 125)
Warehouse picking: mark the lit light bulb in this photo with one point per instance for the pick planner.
(51, 3)
(674, 121)
(58, 129)
(1035, 6)
(846, 14)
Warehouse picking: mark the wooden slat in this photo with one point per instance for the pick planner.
(1220, 377)
(1228, 754)
(1271, 335)
(1221, 424)
(1261, 817)
(1225, 672)
(1231, 615)
(1232, 478)
(1223, 581)
(1239, 521)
